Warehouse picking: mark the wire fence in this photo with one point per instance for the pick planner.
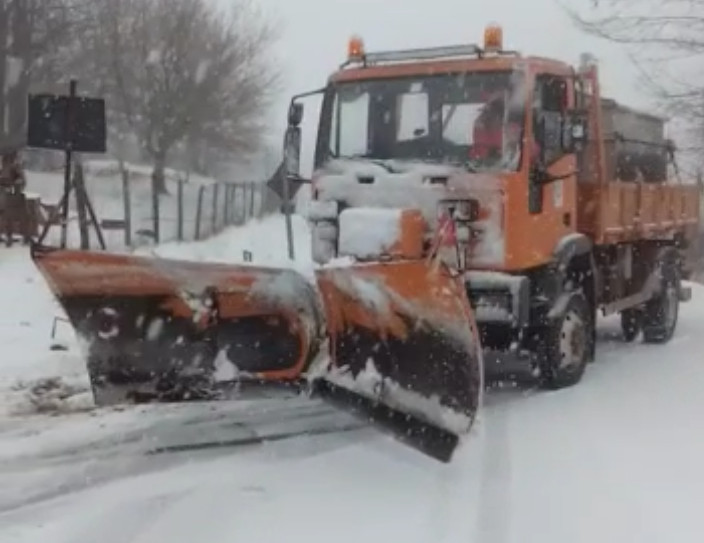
(188, 212)
(130, 216)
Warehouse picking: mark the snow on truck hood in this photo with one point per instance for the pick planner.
(391, 178)
(399, 184)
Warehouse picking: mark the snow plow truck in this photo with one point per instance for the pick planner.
(468, 204)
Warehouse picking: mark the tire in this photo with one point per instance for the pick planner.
(631, 324)
(662, 312)
(569, 337)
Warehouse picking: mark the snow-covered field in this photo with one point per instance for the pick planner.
(617, 458)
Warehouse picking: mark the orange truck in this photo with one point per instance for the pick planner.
(469, 203)
(573, 201)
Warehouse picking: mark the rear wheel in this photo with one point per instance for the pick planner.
(662, 312)
(567, 345)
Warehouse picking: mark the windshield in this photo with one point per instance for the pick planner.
(459, 118)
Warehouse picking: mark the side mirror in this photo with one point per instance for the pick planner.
(295, 113)
(292, 152)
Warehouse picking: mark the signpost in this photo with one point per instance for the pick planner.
(72, 124)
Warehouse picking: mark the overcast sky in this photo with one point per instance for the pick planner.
(314, 34)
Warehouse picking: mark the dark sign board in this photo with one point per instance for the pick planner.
(50, 127)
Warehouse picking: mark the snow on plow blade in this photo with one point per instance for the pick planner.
(402, 335)
(176, 330)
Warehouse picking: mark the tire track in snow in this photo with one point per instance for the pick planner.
(494, 511)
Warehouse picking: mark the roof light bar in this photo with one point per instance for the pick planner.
(430, 53)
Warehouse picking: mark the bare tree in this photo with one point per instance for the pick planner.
(32, 35)
(178, 71)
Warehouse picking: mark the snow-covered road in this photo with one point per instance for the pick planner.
(617, 458)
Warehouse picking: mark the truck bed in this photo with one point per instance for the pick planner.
(624, 211)
(627, 189)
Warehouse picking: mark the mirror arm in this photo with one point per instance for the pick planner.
(308, 93)
(299, 179)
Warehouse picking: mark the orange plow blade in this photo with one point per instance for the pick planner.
(402, 335)
(398, 335)
(177, 330)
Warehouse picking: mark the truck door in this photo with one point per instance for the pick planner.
(551, 182)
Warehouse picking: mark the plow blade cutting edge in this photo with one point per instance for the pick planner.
(398, 334)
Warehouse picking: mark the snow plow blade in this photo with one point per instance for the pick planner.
(402, 336)
(169, 330)
(399, 335)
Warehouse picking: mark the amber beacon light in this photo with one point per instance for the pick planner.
(493, 38)
(355, 48)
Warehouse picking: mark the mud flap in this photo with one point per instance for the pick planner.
(159, 329)
(402, 335)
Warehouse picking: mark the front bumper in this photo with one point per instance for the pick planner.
(499, 298)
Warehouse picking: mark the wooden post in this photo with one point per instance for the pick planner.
(81, 205)
(83, 200)
(235, 202)
(225, 205)
(179, 210)
(127, 203)
(199, 210)
(155, 210)
(70, 120)
(214, 218)
(241, 203)
(231, 204)
(251, 201)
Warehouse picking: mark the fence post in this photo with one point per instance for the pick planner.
(199, 210)
(241, 203)
(127, 203)
(251, 201)
(80, 188)
(214, 218)
(225, 205)
(156, 222)
(179, 210)
(233, 201)
(236, 196)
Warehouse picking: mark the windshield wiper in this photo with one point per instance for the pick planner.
(377, 161)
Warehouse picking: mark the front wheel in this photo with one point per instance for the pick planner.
(567, 345)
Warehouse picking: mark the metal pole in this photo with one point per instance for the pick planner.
(287, 212)
(67, 169)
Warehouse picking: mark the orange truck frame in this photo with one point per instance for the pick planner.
(578, 209)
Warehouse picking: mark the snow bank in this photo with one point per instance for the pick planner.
(259, 242)
(34, 378)
(52, 395)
